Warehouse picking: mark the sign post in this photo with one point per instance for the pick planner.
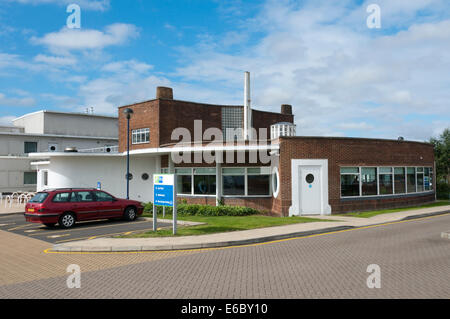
(164, 194)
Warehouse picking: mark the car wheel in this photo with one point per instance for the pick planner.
(130, 213)
(50, 225)
(66, 220)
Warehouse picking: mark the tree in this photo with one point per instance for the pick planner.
(442, 158)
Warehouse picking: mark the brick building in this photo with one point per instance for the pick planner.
(219, 159)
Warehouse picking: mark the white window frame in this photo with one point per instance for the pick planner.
(378, 181)
(137, 133)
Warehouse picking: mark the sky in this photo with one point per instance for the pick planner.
(341, 77)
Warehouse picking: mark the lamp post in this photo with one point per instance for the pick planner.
(128, 113)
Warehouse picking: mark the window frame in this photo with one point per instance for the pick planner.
(135, 133)
(394, 194)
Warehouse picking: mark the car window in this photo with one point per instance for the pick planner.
(38, 198)
(61, 198)
(74, 197)
(103, 197)
(85, 197)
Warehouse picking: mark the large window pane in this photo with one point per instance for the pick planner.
(420, 182)
(30, 147)
(411, 180)
(426, 179)
(399, 180)
(205, 184)
(184, 184)
(385, 183)
(258, 184)
(350, 185)
(30, 178)
(369, 181)
(233, 184)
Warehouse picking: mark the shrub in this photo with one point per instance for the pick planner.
(443, 190)
(204, 210)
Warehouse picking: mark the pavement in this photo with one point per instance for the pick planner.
(413, 260)
(245, 237)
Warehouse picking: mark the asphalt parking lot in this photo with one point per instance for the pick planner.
(84, 230)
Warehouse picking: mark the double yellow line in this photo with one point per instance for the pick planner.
(49, 251)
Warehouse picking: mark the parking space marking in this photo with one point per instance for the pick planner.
(57, 236)
(78, 228)
(22, 226)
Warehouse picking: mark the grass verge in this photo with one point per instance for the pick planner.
(220, 224)
(386, 211)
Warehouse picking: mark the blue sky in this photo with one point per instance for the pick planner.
(342, 78)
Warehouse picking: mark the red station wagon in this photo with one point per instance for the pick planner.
(66, 206)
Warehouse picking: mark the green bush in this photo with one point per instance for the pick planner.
(443, 190)
(204, 210)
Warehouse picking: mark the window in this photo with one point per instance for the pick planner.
(233, 181)
(30, 147)
(52, 147)
(349, 181)
(399, 180)
(145, 176)
(419, 179)
(84, 197)
(258, 180)
(45, 182)
(61, 198)
(232, 123)
(184, 180)
(385, 176)
(30, 178)
(38, 198)
(369, 181)
(139, 136)
(411, 180)
(204, 184)
(103, 197)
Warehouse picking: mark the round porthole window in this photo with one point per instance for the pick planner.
(130, 176)
(275, 182)
(309, 178)
(145, 176)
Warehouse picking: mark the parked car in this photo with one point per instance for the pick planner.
(66, 206)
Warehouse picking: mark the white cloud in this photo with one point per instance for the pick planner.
(15, 101)
(99, 5)
(55, 60)
(336, 72)
(66, 39)
(6, 120)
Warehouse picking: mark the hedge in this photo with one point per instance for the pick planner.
(443, 190)
(204, 210)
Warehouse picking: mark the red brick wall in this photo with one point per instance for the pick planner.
(162, 116)
(146, 114)
(351, 152)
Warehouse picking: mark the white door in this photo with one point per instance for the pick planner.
(310, 190)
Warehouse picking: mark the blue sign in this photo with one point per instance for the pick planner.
(99, 185)
(163, 189)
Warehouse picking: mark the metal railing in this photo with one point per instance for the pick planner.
(104, 149)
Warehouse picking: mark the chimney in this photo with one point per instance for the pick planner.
(247, 108)
(286, 109)
(164, 93)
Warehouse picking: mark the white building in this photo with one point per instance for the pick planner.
(48, 131)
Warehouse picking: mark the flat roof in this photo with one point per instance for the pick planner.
(65, 113)
(354, 138)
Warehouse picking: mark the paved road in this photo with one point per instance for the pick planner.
(414, 263)
(84, 230)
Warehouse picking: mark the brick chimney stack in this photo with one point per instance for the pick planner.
(286, 109)
(164, 93)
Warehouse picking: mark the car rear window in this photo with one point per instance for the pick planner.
(38, 198)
